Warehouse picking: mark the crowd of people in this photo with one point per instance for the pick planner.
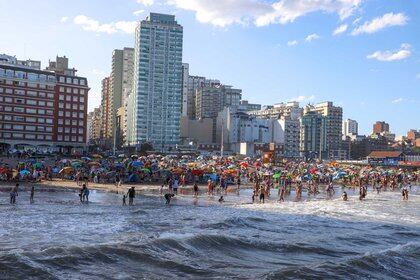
(217, 173)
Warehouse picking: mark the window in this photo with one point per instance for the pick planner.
(68, 106)
(40, 128)
(19, 109)
(60, 113)
(30, 119)
(32, 77)
(50, 95)
(80, 138)
(76, 81)
(68, 90)
(68, 98)
(61, 105)
(74, 122)
(60, 121)
(41, 103)
(42, 94)
(60, 129)
(31, 111)
(73, 138)
(68, 80)
(49, 121)
(75, 90)
(61, 97)
(18, 127)
(82, 92)
(48, 137)
(61, 88)
(62, 80)
(7, 126)
(74, 106)
(7, 135)
(81, 107)
(80, 123)
(19, 92)
(67, 122)
(30, 136)
(9, 90)
(75, 98)
(40, 137)
(8, 99)
(7, 109)
(41, 120)
(19, 118)
(31, 93)
(29, 102)
(7, 117)
(66, 138)
(82, 99)
(30, 127)
(73, 130)
(60, 137)
(82, 82)
(67, 114)
(48, 129)
(17, 135)
(80, 130)
(74, 115)
(41, 111)
(49, 112)
(81, 115)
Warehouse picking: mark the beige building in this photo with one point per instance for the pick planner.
(196, 131)
(289, 109)
(94, 125)
(106, 126)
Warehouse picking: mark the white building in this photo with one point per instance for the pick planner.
(155, 105)
(286, 131)
(350, 128)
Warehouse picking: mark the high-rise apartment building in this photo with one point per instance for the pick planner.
(286, 131)
(106, 113)
(45, 108)
(185, 76)
(211, 100)
(94, 125)
(155, 105)
(195, 83)
(350, 128)
(313, 132)
(289, 109)
(380, 127)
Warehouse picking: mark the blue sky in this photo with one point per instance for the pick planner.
(275, 51)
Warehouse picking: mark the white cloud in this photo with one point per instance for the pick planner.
(146, 2)
(341, 29)
(260, 12)
(312, 37)
(90, 24)
(136, 13)
(292, 43)
(356, 20)
(303, 98)
(379, 23)
(64, 19)
(403, 52)
(398, 100)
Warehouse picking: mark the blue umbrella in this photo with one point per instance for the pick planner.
(24, 172)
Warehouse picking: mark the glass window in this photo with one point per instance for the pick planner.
(41, 103)
(50, 95)
(68, 90)
(18, 127)
(41, 111)
(62, 80)
(80, 138)
(75, 90)
(61, 89)
(30, 127)
(49, 121)
(30, 119)
(60, 113)
(61, 97)
(41, 120)
(42, 94)
(48, 129)
(68, 80)
(19, 109)
(48, 137)
(31, 111)
(31, 102)
(31, 93)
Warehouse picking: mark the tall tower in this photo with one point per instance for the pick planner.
(155, 103)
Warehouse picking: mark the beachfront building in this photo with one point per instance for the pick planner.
(332, 136)
(289, 109)
(94, 126)
(106, 114)
(350, 128)
(42, 109)
(246, 106)
(195, 83)
(286, 131)
(313, 142)
(155, 102)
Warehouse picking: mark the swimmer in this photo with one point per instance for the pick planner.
(168, 197)
(221, 199)
(31, 198)
(344, 196)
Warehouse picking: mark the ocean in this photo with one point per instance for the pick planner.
(57, 237)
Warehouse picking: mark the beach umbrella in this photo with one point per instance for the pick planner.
(277, 175)
(76, 164)
(3, 170)
(136, 164)
(66, 170)
(146, 170)
(24, 172)
(37, 165)
(86, 158)
(64, 161)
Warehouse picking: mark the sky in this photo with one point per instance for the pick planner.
(361, 54)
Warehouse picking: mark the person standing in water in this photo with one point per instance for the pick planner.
(14, 193)
(31, 198)
(131, 194)
(344, 196)
(195, 189)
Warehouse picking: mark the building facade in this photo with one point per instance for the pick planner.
(380, 127)
(42, 108)
(155, 105)
(350, 128)
(289, 109)
(211, 100)
(286, 131)
(106, 113)
(313, 131)
(94, 127)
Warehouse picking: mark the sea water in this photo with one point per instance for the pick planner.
(58, 237)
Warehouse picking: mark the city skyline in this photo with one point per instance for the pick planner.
(373, 46)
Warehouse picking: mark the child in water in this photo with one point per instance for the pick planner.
(344, 196)
(124, 200)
